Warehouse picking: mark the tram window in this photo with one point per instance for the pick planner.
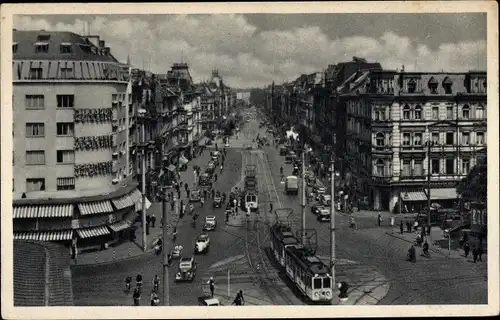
(326, 282)
(317, 283)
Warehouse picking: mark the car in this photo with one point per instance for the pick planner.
(323, 215)
(319, 191)
(210, 223)
(315, 209)
(202, 244)
(195, 196)
(214, 155)
(187, 270)
(209, 302)
(325, 199)
(205, 180)
(217, 201)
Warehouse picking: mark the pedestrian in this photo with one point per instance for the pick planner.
(153, 220)
(211, 283)
(401, 227)
(392, 222)
(221, 168)
(202, 201)
(188, 193)
(239, 299)
(474, 253)
(172, 205)
(466, 249)
(271, 207)
(379, 219)
(480, 252)
(215, 177)
(408, 226)
(186, 186)
(235, 202)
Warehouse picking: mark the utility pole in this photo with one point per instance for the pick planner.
(332, 221)
(429, 143)
(303, 206)
(143, 174)
(166, 282)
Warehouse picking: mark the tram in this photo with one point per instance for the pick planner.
(282, 237)
(251, 195)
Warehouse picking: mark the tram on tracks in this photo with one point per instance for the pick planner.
(251, 195)
(309, 274)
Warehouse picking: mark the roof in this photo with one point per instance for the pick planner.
(81, 47)
(42, 275)
(308, 262)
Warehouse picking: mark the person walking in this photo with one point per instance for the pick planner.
(188, 193)
(186, 186)
(202, 201)
(401, 227)
(474, 253)
(239, 300)
(211, 284)
(153, 220)
(480, 252)
(466, 249)
(379, 219)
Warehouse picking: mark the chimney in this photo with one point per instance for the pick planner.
(101, 43)
(106, 51)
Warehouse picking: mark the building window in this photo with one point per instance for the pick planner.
(479, 112)
(406, 167)
(435, 113)
(379, 168)
(66, 183)
(412, 86)
(417, 139)
(35, 130)
(65, 48)
(447, 85)
(435, 138)
(450, 166)
(36, 73)
(65, 156)
(418, 169)
(465, 138)
(449, 113)
(66, 73)
(36, 157)
(465, 166)
(418, 112)
(406, 112)
(435, 166)
(14, 47)
(35, 184)
(466, 112)
(35, 101)
(380, 139)
(449, 138)
(65, 101)
(41, 47)
(433, 85)
(480, 138)
(66, 129)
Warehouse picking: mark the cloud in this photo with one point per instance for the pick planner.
(247, 57)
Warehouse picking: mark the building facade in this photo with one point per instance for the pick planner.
(72, 173)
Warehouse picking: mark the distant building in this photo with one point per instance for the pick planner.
(72, 172)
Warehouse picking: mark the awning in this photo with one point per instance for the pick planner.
(123, 202)
(138, 204)
(95, 207)
(92, 232)
(135, 195)
(119, 226)
(25, 212)
(55, 211)
(56, 235)
(444, 194)
(25, 236)
(413, 196)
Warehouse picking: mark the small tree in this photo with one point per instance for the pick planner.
(475, 185)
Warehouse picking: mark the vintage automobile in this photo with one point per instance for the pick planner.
(283, 150)
(325, 199)
(217, 201)
(187, 270)
(202, 244)
(214, 155)
(290, 157)
(315, 209)
(210, 223)
(208, 142)
(210, 168)
(195, 196)
(205, 180)
(323, 214)
(319, 191)
(177, 252)
(209, 301)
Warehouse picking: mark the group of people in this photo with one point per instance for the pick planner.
(155, 300)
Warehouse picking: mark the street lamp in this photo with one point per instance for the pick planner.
(332, 218)
(141, 113)
(303, 159)
(429, 143)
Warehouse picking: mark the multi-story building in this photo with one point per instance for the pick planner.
(72, 178)
(405, 129)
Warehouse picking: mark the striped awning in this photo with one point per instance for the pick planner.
(444, 194)
(55, 211)
(123, 202)
(119, 226)
(95, 207)
(138, 204)
(413, 196)
(135, 195)
(92, 232)
(56, 235)
(25, 236)
(25, 212)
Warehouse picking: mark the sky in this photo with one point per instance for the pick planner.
(252, 50)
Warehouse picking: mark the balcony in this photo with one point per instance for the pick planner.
(382, 149)
(412, 174)
(413, 148)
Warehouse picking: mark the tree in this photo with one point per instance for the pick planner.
(475, 185)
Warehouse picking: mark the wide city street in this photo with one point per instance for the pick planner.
(437, 280)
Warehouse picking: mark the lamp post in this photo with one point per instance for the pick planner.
(141, 114)
(332, 219)
(429, 144)
(303, 205)
(166, 282)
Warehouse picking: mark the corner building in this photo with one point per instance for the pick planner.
(73, 182)
(406, 129)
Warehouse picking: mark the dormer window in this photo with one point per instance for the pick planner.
(412, 86)
(447, 84)
(85, 48)
(433, 85)
(41, 47)
(14, 47)
(65, 48)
